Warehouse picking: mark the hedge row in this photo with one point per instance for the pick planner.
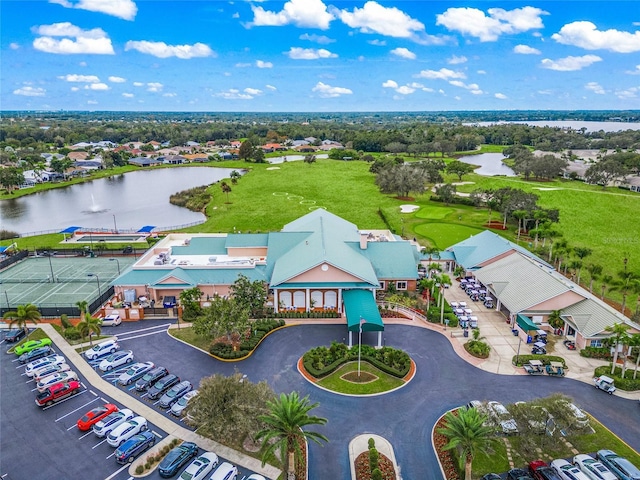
(545, 359)
(627, 383)
(259, 330)
(294, 314)
(596, 352)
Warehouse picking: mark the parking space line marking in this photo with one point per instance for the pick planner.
(126, 465)
(71, 427)
(155, 403)
(104, 400)
(156, 434)
(94, 393)
(143, 330)
(88, 433)
(98, 444)
(144, 395)
(131, 388)
(107, 458)
(34, 389)
(79, 408)
(62, 401)
(83, 385)
(143, 335)
(12, 361)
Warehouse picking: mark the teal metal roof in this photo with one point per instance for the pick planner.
(484, 246)
(395, 260)
(526, 324)
(192, 276)
(361, 306)
(326, 285)
(202, 246)
(247, 240)
(442, 255)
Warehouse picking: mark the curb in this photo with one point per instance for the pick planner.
(383, 446)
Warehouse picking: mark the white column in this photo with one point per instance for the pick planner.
(339, 306)
(350, 338)
(380, 339)
(308, 299)
(276, 300)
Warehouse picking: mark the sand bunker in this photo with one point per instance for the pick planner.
(273, 168)
(408, 208)
(547, 189)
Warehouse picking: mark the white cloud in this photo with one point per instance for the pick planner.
(30, 91)
(321, 39)
(263, 64)
(390, 84)
(327, 91)
(93, 41)
(92, 102)
(595, 87)
(79, 78)
(442, 74)
(114, 79)
(570, 64)
(301, 13)
(634, 72)
(586, 35)
(154, 87)
(234, 94)
(97, 86)
(252, 91)
(242, 65)
(481, 72)
(125, 9)
(75, 89)
(405, 90)
(628, 93)
(270, 87)
(472, 87)
(526, 50)
(128, 95)
(474, 22)
(162, 50)
(500, 96)
(455, 60)
(169, 95)
(404, 53)
(138, 84)
(83, 64)
(297, 53)
(374, 18)
(14, 46)
(377, 43)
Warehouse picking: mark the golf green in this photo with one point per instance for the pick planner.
(444, 235)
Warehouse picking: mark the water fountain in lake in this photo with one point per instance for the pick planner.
(94, 207)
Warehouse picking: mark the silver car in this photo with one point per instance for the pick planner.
(134, 372)
(181, 404)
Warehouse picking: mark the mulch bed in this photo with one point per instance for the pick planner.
(384, 464)
(495, 225)
(446, 459)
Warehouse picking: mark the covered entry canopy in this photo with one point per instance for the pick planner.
(526, 324)
(360, 304)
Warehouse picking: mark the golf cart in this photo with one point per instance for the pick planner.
(534, 367)
(570, 344)
(605, 383)
(539, 348)
(555, 369)
(488, 302)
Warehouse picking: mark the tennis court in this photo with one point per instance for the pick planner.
(58, 281)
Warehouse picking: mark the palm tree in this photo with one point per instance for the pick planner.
(288, 415)
(226, 189)
(467, 435)
(234, 176)
(634, 342)
(22, 315)
(594, 274)
(88, 327)
(623, 284)
(606, 281)
(619, 337)
(555, 319)
(581, 253)
(83, 306)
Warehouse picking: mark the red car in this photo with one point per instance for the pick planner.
(95, 415)
(57, 392)
(541, 471)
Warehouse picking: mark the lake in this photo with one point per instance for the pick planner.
(573, 124)
(124, 202)
(490, 164)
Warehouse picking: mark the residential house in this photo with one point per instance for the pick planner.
(144, 161)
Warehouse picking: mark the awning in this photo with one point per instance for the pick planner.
(71, 230)
(146, 229)
(526, 324)
(360, 306)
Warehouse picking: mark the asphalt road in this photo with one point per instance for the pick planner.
(404, 417)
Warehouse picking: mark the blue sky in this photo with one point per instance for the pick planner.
(315, 56)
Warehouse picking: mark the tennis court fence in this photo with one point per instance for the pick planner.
(48, 280)
(54, 310)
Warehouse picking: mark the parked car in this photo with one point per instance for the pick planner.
(94, 415)
(57, 392)
(151, 377)
(257, 476)
(35, 354)
(102, 349)
(518, 474)
(503, 418)
(168, 301)
(112, 320)
(622, 467)
(579, 418)
(542, 471)
(482, 410)
(605, 384)
(126, 430)
(51, 370)
(200, 467)
(176, 458)
(489, 476)
(134, 372)
(58, 377)
(182, 402)
(33, 368)
(225, 471)
(129, 450)
(104, 427)
(15, 335)
(592, 468)
(30, 345)
(116, 359)
(567, 471)
(174, 393)
(162, 385)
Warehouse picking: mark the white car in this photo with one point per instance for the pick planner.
(134, 372)
(106, 425)
(503, 418)
(112, 320)
(255, 476)
(181, 404)
(59, 377)
(593, 468)
(32, 368)
(200, 467)
(116, 359)
(580, 419)
(567, 471)
(50, 370)
(102, 349)
(225, 471)
(125, 431)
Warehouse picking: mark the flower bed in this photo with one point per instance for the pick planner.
(447, 461)
(363, 472)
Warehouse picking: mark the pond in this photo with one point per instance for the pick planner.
(490, 164)
(122, 202)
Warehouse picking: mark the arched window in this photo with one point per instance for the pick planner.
(316, 299)
(285, 299)
(299, 300)
(331, 299)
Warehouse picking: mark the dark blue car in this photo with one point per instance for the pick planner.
(176, 458)
(129, 450)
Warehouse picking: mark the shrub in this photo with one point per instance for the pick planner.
(374, 458)
(64, 320)
(627, 383)
(545, 359)
(376, 474)
(140, 468)
(477, 348)
(371, 443)
(158, 457)
(72, 333)
(596, 352)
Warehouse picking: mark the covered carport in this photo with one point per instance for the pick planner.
(362, 312)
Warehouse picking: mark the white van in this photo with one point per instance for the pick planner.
(225, 471)
(112, 320)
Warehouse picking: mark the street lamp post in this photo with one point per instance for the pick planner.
(51, 268)
(98, 280)
(115, 227)
(118, 262)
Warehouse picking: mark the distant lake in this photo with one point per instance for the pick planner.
(573, 124)
(126, 201)
(490, 164)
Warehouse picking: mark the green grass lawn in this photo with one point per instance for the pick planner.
(186, 334)
(37, 334)
(383, 383)
(495, 462)
(445, 234)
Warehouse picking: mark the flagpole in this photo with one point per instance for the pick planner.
(362, 320)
